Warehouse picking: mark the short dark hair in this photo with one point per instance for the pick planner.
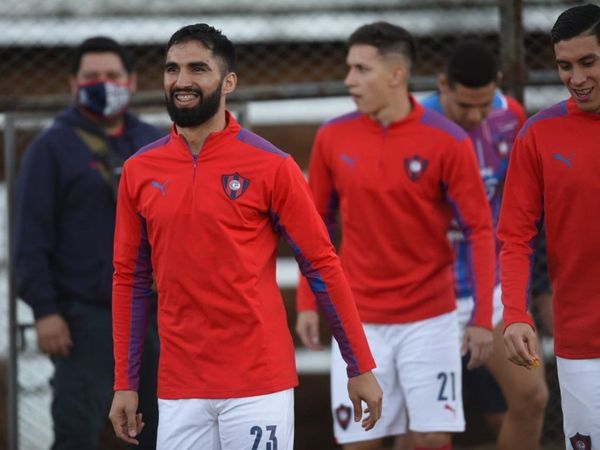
(101, 44)
(386, 38)
(575, 21)
(472, 64)
(210, 37)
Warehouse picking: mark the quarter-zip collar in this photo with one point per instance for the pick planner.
(416, 112)
(232, 127)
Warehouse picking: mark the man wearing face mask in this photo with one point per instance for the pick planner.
(65, 214)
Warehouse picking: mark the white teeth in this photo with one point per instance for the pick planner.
(185, 97)
(582, 92)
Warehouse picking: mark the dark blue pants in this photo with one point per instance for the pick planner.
(83, 382)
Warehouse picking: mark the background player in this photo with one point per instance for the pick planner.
(468, 95)
(553, 176)
(396, 171)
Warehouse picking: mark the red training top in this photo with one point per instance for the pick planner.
(397, 188)
(209, 226)
(553, 176)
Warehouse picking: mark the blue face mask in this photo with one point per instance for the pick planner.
(103, 99)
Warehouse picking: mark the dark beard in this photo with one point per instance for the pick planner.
(197, 115)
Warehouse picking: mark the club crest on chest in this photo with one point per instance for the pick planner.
(234, 185)
(415, 167)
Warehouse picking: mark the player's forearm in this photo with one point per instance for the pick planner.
(484, 261)
(305, 299)
(515, 277)
(130, 322)
(334, 299)
(132, 294)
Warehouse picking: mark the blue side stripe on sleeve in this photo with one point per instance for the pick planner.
(141, 293)
(323, 298)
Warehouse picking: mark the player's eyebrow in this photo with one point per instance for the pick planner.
(199, 63)
(474, 105)
(584, 58)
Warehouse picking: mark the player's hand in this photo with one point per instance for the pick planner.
(126, 423)
(53, 335)
(365, 387)
(479, 342)
(521, 344)
(307, 329)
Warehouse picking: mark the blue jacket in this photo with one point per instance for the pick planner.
(65, 213)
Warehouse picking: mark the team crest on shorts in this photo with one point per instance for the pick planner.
(234, 185)
(581, 442)
(343, 414)
(415, 167)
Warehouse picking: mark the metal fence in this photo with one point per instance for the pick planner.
(287, 50)
(278, 41)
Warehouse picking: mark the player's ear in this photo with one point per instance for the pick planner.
(443, 83)
(400, 75)
(229, 83)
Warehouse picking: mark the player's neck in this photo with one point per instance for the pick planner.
(397, 109)
(444, 105)
(196, 136)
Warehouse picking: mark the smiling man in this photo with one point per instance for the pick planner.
(204, 209)
(553, 176)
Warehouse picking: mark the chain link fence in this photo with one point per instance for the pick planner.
(287, 50)
(278, 41)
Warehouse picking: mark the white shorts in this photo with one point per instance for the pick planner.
(465, 307)
(247, 423)
(419, 370)
(579, 381)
